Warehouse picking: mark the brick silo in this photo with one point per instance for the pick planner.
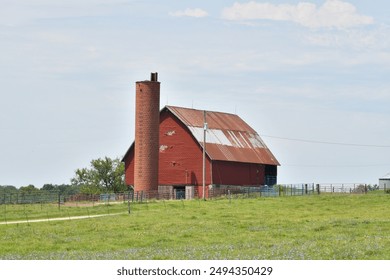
(147, 120)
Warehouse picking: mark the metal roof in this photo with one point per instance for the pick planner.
(387, 176)
(228, 137)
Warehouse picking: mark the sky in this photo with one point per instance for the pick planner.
(311, 77)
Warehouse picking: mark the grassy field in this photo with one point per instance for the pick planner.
(305, 227)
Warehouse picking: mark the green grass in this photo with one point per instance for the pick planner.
(309, 227)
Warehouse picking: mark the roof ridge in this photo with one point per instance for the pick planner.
(200, 110)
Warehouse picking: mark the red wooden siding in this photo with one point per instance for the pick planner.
(180, 154)
(129, 167)
(237, 173)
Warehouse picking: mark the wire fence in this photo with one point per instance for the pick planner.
(39, 197)
(251, 191)
(172, 193)
(14, 197)
(294, 190)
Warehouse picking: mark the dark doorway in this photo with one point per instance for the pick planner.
(180, 192)
(270, 175)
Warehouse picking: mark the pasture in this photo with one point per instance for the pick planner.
(325, 227)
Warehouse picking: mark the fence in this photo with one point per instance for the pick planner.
(39, 197)
(190, 193)
(29, 197)
(253, 191)
(294, 190)
(344, 188)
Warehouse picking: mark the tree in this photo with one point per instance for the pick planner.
(48, 187)
(104, 175)
(8, 188)
(28, 189)
(61, 189)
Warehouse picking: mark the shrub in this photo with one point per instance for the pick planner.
(360, 189)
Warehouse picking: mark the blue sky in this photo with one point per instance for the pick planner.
(309, 70)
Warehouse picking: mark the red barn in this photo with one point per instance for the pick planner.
(235, 153)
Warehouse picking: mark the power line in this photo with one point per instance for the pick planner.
(335, 165)
(326, 142)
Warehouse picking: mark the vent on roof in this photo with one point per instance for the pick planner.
(154, 77)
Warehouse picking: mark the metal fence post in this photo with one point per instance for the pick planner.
(128, 202)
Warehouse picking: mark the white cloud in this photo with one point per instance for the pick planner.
(198, 13)
(332, 14)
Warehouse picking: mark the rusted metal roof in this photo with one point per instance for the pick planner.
(228, 137)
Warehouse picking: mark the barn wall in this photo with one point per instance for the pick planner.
(129, 167)
(236, 173)
(384, 184)
(180, 161)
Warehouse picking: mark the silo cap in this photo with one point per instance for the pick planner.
(154, 77)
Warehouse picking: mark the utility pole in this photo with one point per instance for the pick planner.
(204, 154)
